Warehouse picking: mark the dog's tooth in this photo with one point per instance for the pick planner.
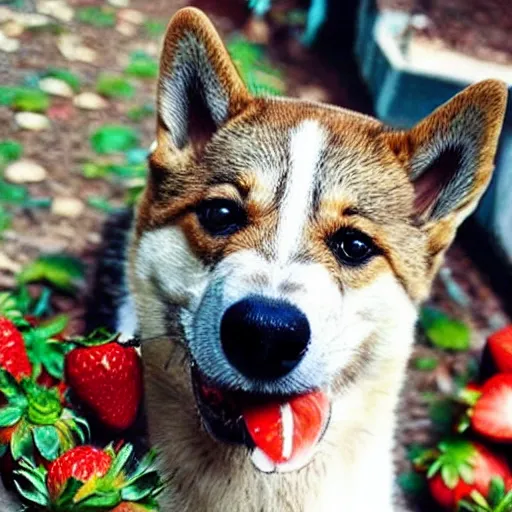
(287, 430)
(261, 461)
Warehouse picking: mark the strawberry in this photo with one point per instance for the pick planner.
(107, 377)
(500, 347)
(13, 355)
(461, 467)
(492, 413)
(81, 463)
(34, 422)
(287, 432)
(88, 478)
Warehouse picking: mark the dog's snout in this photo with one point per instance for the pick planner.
(264, 338)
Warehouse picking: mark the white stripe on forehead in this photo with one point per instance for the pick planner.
(306, 144)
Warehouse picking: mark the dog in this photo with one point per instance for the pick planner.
(282, 248)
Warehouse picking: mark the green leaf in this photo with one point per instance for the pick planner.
(7, 95)
(426, 364)
(30, 100)
(61, 270)
(52, 327)
(506, 504)
(103, 17)
(8, 385)
(30, 483)
(65, 500)
(65, 75)
(445, 332)
(496, 491)
(46, 439)
(140, 112)
(100, 501)
(142, 66)
(42, 305)
(479, 499)
(22, 444)
(10, 150)
(412, 483)
(13, 194)
(129, 171)
(10, 415)
(93, 170)
(102, 204)
(120, 461)
(450, 476)
(155, 28)
(5, 219)
(114, 138)
(114, 86)
(141, 487)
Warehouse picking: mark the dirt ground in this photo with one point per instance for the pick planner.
(64, 148)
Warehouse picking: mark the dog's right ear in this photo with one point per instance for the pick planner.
(199, 87)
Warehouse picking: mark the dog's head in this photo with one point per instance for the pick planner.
(289, 241)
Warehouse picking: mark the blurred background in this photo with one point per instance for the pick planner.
(77, 89)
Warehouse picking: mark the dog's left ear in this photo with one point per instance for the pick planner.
(449, 157)
(199, 87)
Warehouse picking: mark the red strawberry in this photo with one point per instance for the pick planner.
(492, 414)
(108, 379)
(500, 347)
(13, 355)
(80, 463)
(288, 431)
(460, 468)
(87, 478)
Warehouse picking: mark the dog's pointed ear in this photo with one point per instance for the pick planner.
(199, 87)
(450, 157)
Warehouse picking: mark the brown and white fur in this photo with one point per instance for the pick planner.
(301, 171)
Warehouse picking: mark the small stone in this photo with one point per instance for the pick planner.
(31, 121)
(55, 87)
(25, 171)
(126, 29)
(13, 29)
(70, 46)
(8, 44)
(89, 101)
(57, 9)
(32, 20)
(119, 3)
(7, 264)
(131, 16)
(67, 207)
(6, 14)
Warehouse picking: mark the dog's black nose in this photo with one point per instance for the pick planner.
(264, 338)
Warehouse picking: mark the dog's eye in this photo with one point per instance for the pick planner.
(351, 246)
(221, 216)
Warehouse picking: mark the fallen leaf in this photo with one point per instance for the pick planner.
(10, 150)
(142, 66)
(113, 86)
(103, 16)
(114, 138)
(443, 331)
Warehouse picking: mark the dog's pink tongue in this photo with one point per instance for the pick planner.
(285, 433)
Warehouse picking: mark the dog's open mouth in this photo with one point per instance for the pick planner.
(282, 432)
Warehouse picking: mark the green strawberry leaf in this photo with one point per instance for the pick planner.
(102, 17)
(479, 499)
(411, 483)
(442, 414)
(142, 66)
(10, 415)
(445, 332)
(100, 336)
(496, 491)
(65, 500)
(61, 270)
(22, 444)
(4, 448)
(65, 75)
(426, 364)
(505, 505)
(114, 86)
(100, 501)
(119, 462)
(8, 386)
(46, 439)
(30, 482)
(450, 476)
(42, 305)
(114, 138)
(10, 150)
(142, 487)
